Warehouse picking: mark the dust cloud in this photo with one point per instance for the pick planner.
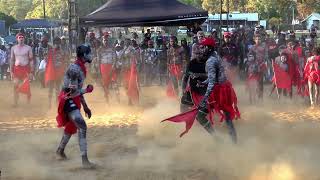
(278, 140)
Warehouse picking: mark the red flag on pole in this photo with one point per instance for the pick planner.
(133, 90)
(50, 71)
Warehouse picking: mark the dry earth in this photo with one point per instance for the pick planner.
(278, 140)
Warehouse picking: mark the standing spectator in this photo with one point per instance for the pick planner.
(147, 35)
(150, 60)
(162, 55)
(3, 62)
(187, 51)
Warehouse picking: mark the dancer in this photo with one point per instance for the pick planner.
(21, 66)
(219, 96)
(70, 100)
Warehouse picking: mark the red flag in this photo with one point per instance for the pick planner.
(106, 74)
(187, 117)
(50, 70)
(24, 88)
(282, 79)
(171, 93)
(133, 90)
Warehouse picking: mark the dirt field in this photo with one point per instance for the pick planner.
(278, 140)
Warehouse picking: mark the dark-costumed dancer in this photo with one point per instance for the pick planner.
(70, 100)
(219, 95)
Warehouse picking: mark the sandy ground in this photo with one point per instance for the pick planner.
(278, 140)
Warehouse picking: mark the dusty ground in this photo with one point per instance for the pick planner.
(278, 140)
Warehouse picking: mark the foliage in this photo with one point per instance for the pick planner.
(274, 21)
(58, 9)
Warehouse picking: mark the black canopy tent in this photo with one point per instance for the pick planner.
(124, 13)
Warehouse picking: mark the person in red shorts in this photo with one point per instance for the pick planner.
(21, 66)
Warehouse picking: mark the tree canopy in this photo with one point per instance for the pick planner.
(58, 9)
(281, 9)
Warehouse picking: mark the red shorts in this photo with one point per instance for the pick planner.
(314, 77)
(21, 72)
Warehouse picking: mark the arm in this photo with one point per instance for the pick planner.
(31, 61)
(83, 102)
(185, 78)
(12, 60)
(211, 69)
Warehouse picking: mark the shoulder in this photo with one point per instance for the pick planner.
(310, 59)
(73, 68)
(28, 47)
(213, 60)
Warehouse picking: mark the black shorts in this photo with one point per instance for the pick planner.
(70, 106)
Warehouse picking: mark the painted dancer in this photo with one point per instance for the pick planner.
(21, 66)
(312, 76)
(261, 53)
(107, 60)
(219, 96)
(176, 58)
(230, 55)
(129, 72)
(71, 99)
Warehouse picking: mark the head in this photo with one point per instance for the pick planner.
(150, 44)
(106, 35)
(214, 33)
(200, 36)
(122, 44)
(184, 42)
(135, 35)
(227, 37)
(56, 42)
(283, 57)
(173, 41)
(257, 39)
(20, 38)
(118, 47)
(92, 35)
(44, 41)
(195, 39)
(148, 30)
(127, 43)
(291, 45)
(207, 47)
(134, 43)
(84, 53)
(105, 42)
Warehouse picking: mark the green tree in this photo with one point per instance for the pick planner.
(55, 9)
(8, 19)
(195, 3)
(16, 8)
